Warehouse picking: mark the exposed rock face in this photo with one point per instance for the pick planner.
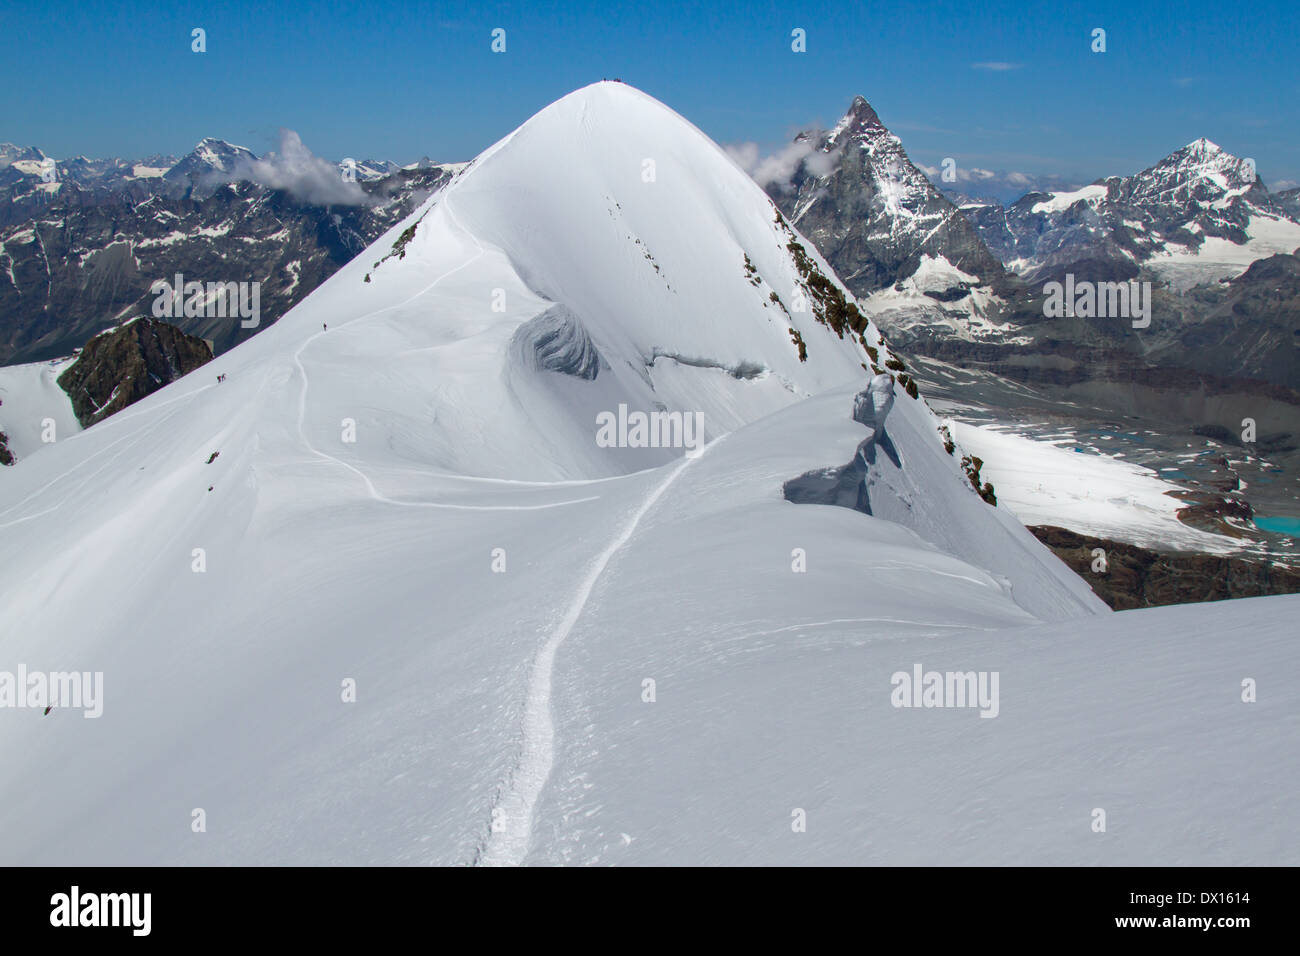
(1250, 325)
(6, 456)
(1289, 200)
(123, 365)
(1138, 577)
(872, 213)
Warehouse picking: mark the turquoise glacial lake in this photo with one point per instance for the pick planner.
(1289, 526)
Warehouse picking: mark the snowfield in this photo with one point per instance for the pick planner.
(29, 395)
(1217, 258)
(1047, 483)
(1059, 202)
(569, 653)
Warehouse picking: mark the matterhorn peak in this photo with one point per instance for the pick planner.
(860, 119)
(861, 113)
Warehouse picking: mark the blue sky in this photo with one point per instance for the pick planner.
(399, 80)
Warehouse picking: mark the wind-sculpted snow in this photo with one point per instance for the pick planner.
(557, 341)
(870, 408)
(847, 486)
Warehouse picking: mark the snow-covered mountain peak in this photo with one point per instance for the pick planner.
(624, 234)
(1198, 172)
(9, 154)
(215, 150)
(871, 211)
(1199, 214)
(862, 126)
(209, 156)
(1203, 146)
(858, 121)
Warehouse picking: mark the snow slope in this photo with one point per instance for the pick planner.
(1138, 714)
(30, 394)
(490, 577)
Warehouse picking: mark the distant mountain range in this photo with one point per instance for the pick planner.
(210, 160)
(1199, 214)
(966, 283)
(962, 282)
(80, 253)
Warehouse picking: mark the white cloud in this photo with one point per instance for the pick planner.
(306, 176)
(779, 168)
(995, 67)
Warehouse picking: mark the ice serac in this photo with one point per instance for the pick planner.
(847, 486)
(557, 342)
(871, 408)
(350, 588)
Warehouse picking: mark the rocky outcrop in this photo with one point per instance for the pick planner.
(1289, 200)
(1250, 324)
(1135, 577)
(121, 366)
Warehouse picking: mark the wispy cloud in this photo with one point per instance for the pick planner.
(305, 175)
(779, 168)
(1184, 81)
(995, 67)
